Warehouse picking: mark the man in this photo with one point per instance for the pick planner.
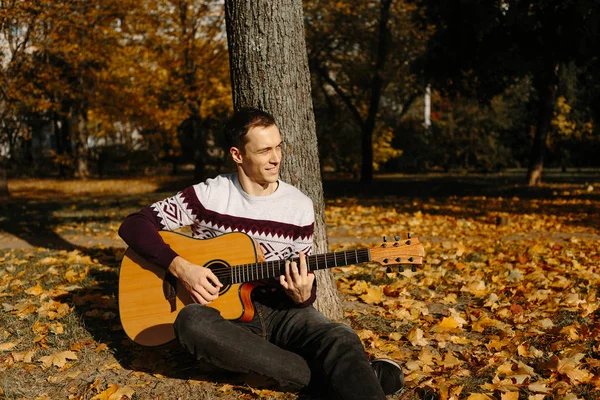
(288, 342)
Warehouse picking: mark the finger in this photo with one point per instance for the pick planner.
(282, 281)
(214, 280)
(208, 286)
(206, 296)
(303, 267)
(295, 273)
(197, 297)
(288, 276)
(311, 278)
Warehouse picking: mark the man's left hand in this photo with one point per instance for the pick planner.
(297, 283)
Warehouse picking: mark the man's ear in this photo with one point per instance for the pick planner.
(236, 155)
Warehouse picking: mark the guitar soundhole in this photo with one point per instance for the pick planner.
(223, 271)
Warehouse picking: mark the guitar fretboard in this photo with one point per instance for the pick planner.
(271, 269)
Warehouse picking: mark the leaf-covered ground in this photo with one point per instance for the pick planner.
(505, 307)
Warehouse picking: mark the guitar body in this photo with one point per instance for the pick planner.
(146, 311)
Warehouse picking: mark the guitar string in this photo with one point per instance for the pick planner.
(259, 269)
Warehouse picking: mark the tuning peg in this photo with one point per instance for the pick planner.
(413, 268)
(408, 235)
(396, 238)
(384, 239)
(401, 268)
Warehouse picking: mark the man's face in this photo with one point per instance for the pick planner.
(261, 158)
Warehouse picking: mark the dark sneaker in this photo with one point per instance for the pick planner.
(390, 375)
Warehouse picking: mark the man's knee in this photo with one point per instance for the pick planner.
(195, 319)
(344, 337)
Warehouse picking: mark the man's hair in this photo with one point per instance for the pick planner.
(240, 124)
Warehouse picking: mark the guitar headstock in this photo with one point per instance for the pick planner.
(402, 250)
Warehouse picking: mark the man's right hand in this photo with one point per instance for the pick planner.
(200, 282)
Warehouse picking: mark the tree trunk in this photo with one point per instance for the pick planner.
(79, 132)
(377, 82)
(546, 86)
(4, 192)
(199, 149)
(63, 142)
(269, 70)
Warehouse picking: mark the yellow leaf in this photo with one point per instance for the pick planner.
(476, 288)
(448, 323)
(105, 395)
(35, 290)
(113, 367)
(450, 361)
(48, 261)
(373, 295)
(539, 387)
(509, 396)
(226, 388)
(546, 323)
(23, 356)
(479, 326)
(415, 337)
(57, 359)
(101, 347)
(568, 366)
(125, 391)
(537, 249)
(7, 346)
(57, 328)
(479, 396)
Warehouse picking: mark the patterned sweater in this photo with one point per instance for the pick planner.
(281, 223)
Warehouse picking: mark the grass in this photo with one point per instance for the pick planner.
(520, 294)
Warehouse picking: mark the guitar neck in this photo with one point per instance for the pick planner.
(272, 269)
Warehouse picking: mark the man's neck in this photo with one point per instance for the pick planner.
(253, 188)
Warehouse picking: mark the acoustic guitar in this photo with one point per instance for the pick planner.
(150, 298)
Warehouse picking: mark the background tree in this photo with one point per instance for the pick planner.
(190, 46)
(495, 43)
(17, 21)
(269, 70)
(360, 53)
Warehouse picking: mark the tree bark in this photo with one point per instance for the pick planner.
(4, 192)
(269, 70)
(547, 87)
(377, 82)
(77, 122)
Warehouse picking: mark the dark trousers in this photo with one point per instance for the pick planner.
(292, 348)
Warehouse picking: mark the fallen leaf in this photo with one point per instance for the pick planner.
(114, 392)
(415, 337)
(373, 295)
(448, 323)
(57, 359)
(23, 356)
(35, 290)
(7, 346)
(479, 396)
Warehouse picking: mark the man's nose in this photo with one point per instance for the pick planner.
(275, 157)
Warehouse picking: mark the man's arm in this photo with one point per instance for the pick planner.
(140, 231)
